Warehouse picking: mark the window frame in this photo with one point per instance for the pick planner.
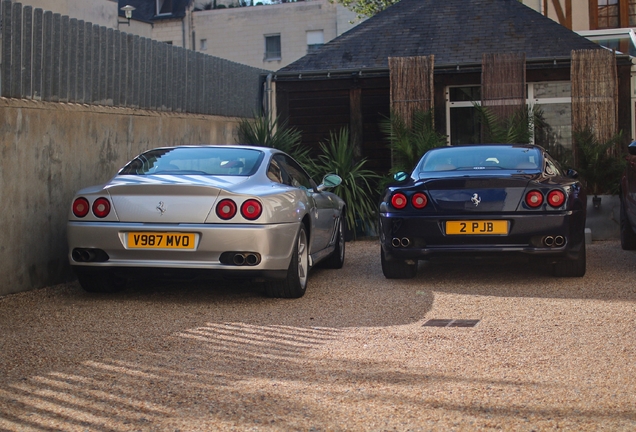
(267, 56)
(159, 5)
(623, 15)
(314, 46)
(531, 100)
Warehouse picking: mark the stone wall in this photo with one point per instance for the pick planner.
(49, 151)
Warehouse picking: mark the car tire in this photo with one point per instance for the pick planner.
(337, 257)
(628, 236)
(397, 269)
(99, 281)
(295, 283)
(571, 267)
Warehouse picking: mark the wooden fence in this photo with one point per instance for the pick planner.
(50, 57)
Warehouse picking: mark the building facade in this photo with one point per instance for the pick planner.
(100, 12)
(269, 36)
(348, 82)
(610, 23)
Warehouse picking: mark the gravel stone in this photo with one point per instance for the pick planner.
(351, 355)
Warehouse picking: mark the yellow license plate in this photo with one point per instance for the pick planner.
(161, 240)
(477, 227)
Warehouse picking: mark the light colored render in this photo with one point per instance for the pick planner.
(238, 34)
(172, 31)
(101, 12)
(580, 11)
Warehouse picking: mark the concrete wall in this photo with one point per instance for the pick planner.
(238, 34)
(49, 151)
(171, 31)
(100, 12)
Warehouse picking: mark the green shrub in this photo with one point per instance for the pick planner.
(262, 131)
(408, 144)
(595, 163)
(357, 187)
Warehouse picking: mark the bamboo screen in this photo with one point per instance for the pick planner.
(594, 93)
(503, 83)
(411, 85)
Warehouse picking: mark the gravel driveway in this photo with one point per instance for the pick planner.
(353, 354)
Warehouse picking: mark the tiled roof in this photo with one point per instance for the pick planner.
(145, 10)
(455, 31)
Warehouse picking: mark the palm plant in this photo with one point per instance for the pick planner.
(517, 128)
(596, 164)
(409, 143)
(263, 131)
(357, 184)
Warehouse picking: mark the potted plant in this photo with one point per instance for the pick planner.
(598, 165)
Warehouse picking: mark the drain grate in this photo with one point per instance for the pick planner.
(450, 323)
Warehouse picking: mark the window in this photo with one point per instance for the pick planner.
(553, 98)
(610, 14)
(315, 39)
(164, 7)
(203, 44)
(272, 47)
(195, 161)
(294, 175)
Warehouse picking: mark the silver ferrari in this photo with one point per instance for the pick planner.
(238, 210)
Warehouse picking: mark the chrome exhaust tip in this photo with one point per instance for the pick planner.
(238, 259)
(559, 241)
(396, 242)
(548, 241)
(405, 242)
(252, 259)
(83, 255)
(77, 255)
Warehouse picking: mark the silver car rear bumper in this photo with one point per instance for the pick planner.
(272, 243)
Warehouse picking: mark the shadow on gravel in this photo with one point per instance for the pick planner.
(206, 355)
(610, 275)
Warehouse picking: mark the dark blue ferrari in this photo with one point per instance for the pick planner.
(494, 199)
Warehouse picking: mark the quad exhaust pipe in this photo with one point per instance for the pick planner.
(403, 242)
(89, 255)
(554, 241)
(246, 258)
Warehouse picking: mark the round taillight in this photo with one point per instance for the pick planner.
(81, 207)
(556, 198)
(101, 207)
(534, 198)
(419, 200)
(226, 209)
(399, 200)
(251, 209)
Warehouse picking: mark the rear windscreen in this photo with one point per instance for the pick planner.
(481, 158)
(195, 160)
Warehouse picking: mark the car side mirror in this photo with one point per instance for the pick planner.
(632, 148)
(572, 173)
(329, 181)
(400, 176)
